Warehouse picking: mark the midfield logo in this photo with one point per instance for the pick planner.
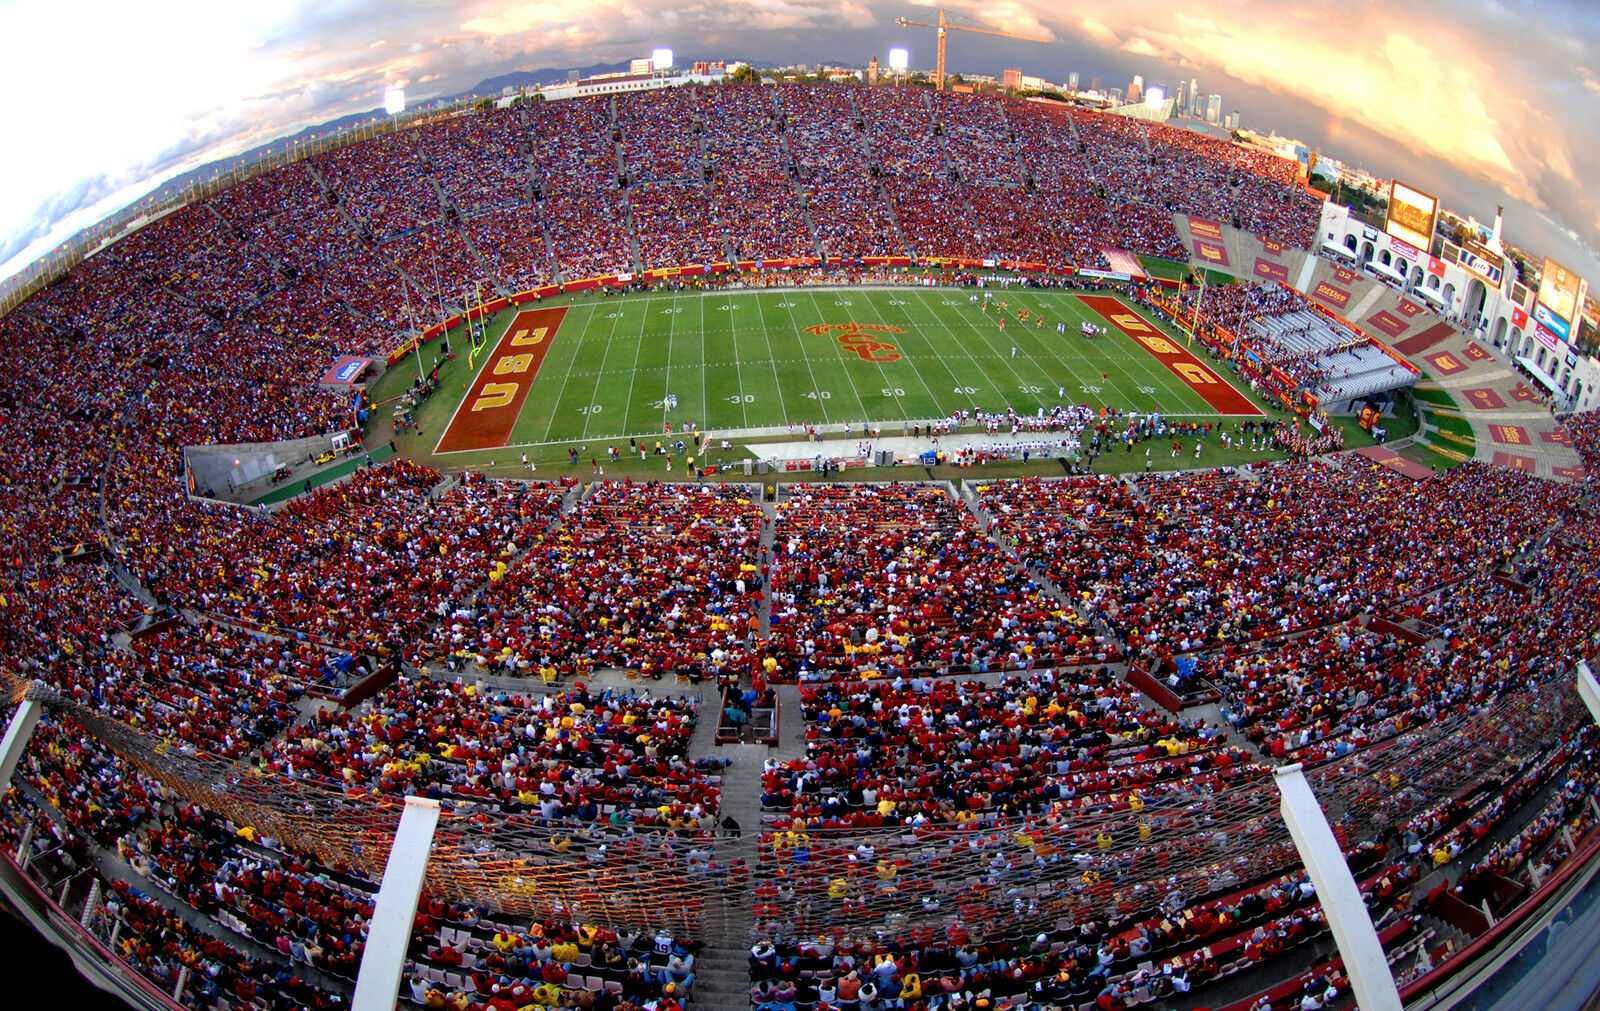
(852, 338)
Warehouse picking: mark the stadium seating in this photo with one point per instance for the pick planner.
(942, 828)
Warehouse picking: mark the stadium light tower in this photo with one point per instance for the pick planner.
(899, 60)
(394, 103)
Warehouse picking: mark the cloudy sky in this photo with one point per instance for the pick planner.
(1478, 101)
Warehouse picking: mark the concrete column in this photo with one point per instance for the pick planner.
(17, 734)
(1347, 916)
(1589, 690)
(378, 982)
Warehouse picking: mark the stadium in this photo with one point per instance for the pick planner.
(797, 546)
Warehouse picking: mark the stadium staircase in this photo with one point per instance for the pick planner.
(871, 161)
(482, 262)
(635, 257)
(792, 169)
(1019, 164)
(553, 263)
(967, 496)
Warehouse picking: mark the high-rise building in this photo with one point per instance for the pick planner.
(1072, 81)
(1011, 79)
(1214, 109)
(872, 70)
(1180, 104)
(1094, 84)
(1136, 89)
(1194, 96)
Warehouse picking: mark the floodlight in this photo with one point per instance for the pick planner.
(899, 59)
(1155, 97)
(394, 101)
(661, 59)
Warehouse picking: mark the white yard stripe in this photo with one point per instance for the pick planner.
(822, 402)
(576, 351)
(772, 357)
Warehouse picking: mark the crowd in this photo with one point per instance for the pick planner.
(918, 751)
(212, 324)
(655, 578)
(572, 756)
(1196, 560)
(899, 578)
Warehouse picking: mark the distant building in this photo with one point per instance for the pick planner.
(642, 65)
(1193, 107)
(1214, 109)
(872, 70)
(1072, 81)
(1136, 89)
(1181, 99)
(1094, 84)
(1011, 79)
(610, 84)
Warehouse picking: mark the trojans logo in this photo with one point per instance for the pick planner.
(851, 338)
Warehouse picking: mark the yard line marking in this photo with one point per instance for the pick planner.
(595, 391)
(772, 357)
(577, 348)
(821, 402)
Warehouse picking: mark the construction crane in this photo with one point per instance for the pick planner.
(945, 25)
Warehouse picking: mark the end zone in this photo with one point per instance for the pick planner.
(1216, 391)
(484, 418)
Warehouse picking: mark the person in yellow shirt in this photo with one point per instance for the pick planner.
(910, 986)
(564, 951)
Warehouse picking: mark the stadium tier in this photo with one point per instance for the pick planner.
(810, 746)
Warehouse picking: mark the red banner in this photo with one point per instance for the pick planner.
(1325, 292)
(1389, 323)
(1211, 253)
(1271, 270)
(1203, 228)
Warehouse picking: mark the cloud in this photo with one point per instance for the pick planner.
(1506, 96)
(82, 194)
(1501, 95)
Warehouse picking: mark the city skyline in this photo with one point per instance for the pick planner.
(1482, 105)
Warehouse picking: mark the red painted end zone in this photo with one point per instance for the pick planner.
(485, 418)
(1216, 390)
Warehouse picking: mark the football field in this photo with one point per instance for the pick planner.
(746, 361)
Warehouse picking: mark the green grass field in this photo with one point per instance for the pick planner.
(742, 362)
